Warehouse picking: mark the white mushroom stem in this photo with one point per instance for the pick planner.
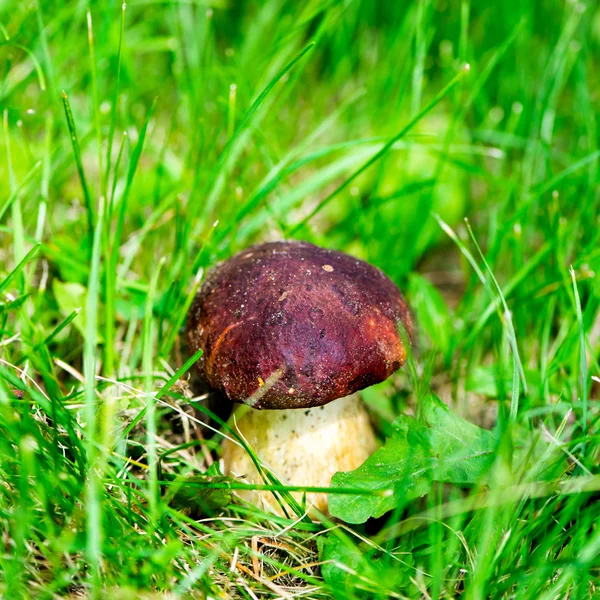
(302, 447)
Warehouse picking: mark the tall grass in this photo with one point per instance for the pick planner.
(142, 145)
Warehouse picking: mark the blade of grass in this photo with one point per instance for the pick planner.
(231, 110)
(518, 372)
(95, 103)
(422, 40)
(115, 106)
(465, 13)
(116, 174)
(65, 323)
(45, 50)
(463, 249)
(36, 63)
(14, 195)
(110, 278)
(45, 184)
(93, 508)
(19, 268)
(148, 337)
(163, 390)
(16, 212)
(239, 485)
(80, 170)
(582, 356)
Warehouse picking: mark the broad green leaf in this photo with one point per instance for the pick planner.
(347, 569)
(397, 470)
(71, 297)
(464, 451)
(440, 447)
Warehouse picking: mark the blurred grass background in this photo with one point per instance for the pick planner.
(174, 159)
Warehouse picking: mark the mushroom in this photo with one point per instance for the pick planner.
(293, 331)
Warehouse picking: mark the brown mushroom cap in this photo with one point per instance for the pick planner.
(291, 325)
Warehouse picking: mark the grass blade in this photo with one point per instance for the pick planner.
(582, 354)
(17, 213)
(148, 338)
(90, 355)
(19, 268)
(15, 194)
(60, 327)
(36, 63)
(115, 105)
(163, 390)
(79, 163)
(510, 330)
(95, 103)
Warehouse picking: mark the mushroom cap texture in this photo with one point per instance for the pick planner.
(291, 325)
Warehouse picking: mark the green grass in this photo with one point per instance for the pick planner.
(142, 145)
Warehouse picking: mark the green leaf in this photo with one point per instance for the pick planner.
(347, 569)
(397, 470)
(71, 297)
(440, 446)
(464, 452)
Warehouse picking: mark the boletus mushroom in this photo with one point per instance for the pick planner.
(293, 331)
